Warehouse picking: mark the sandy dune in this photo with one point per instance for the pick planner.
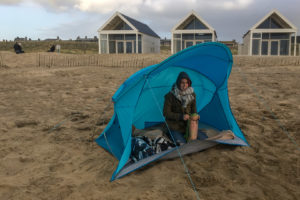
(39, 162)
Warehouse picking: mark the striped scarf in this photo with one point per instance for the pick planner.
(185, 97)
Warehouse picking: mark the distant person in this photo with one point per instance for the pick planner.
(57, 47)
(52, 48)
(18, 48)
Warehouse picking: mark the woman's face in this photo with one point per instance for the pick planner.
(184, 84)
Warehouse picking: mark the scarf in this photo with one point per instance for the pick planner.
(185, 97)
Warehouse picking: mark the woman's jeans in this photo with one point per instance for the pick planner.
(179, 137)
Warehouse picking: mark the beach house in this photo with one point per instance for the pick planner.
(191, 30)
(122, 34)
(272, 35)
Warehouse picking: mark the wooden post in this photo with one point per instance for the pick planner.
(39, 59)
(1, 62)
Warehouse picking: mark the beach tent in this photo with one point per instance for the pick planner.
(139, 101)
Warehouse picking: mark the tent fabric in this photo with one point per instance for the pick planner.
(140, 99)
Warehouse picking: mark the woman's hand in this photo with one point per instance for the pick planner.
(195, 117)
(186, 117)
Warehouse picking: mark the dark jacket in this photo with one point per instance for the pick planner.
(17, 48)
(52, 48)
(174, 111)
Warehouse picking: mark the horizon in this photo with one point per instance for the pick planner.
(69, 19)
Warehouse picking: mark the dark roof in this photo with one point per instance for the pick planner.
(246, 33)
(143, 28)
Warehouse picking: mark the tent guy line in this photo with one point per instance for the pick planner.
(181, 158)
(254, 90)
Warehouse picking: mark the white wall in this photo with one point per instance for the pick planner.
(99, 46)
(240, 49)
(150, 44)
(246, 44)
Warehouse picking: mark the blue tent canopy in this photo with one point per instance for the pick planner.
(140, 98)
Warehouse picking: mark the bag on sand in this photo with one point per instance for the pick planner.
(140, 149)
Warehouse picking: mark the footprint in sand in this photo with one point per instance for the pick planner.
(206, 181)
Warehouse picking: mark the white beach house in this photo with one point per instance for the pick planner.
(270, 36)
(191, 30)
(122, 34)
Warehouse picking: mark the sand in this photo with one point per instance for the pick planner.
(39, 162)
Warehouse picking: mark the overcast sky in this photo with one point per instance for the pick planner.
(71, 18)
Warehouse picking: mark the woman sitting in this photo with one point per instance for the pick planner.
(180, 107)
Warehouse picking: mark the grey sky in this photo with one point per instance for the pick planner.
(230, 18)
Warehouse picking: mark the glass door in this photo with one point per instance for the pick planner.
(120, 47)
(284, 47)
(112, 47)
(274, 47)
(264, 48)
(188, 43)
(129, 45)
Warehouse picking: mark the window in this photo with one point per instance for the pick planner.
(130, 37)
(188, 36)
(206, 36)
(274, 47)
(123, 26)
(103, 43)
(120, 47)
(140, 43)
(112, 47)
(134, 47)
(116, 37)
(256, 35)
(266, 36)
(264, 47)
(176, 46)
(103, 46)
(269, 24)
(177, 36)
(140, 47)
(129, 47)
(255, 47)
(284, 47)
(280, 36)
(195, 24)
(103, 36)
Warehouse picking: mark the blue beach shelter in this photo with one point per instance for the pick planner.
(139, 101)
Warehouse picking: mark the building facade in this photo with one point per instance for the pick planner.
(191, 30)
(122, 34)
(271, 36)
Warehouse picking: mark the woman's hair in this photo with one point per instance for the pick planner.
(183, 75)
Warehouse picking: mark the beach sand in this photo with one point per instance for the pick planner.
(39, 162)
